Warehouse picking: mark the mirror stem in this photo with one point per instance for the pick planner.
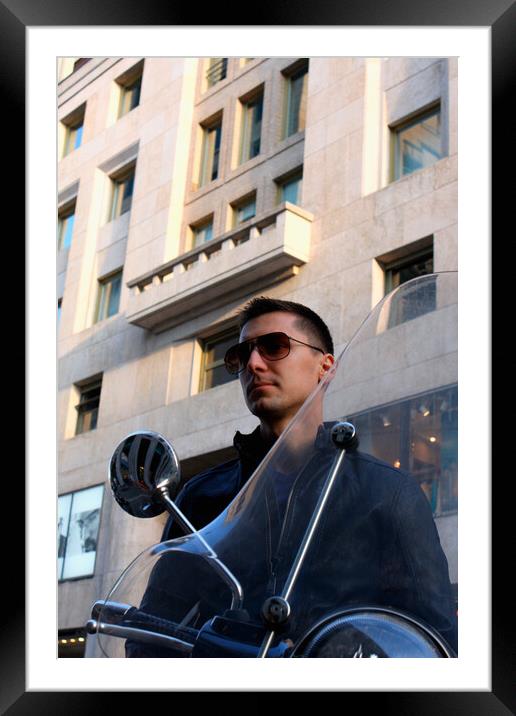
(218, 566)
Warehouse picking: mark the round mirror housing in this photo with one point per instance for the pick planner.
(144, 467)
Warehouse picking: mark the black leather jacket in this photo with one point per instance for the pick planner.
(389, 553)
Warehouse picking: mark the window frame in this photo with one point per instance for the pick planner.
(210, 151)
(240, 204)
(248, 124)
(72, 494)
(403, 262)
(72, 123)
(213, 65)
(281, 182)
(105, 284)
(409, 122)
(206, 344)
(197, 228)
(126, 83)
(82, 388)
(297, 70)
(64, 213)
(125, 175)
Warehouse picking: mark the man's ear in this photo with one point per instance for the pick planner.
(326, 363)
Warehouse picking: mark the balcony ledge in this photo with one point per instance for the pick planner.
(264, 250)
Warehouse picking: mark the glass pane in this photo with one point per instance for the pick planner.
(78, 136)
(251, 129)
(210, 154)
(419, 145)
(246, 211)
(217, 376)
(134, 93)
(412, 303)
(291, 191)
(202, 234)
(297, 103)
(421, 436)
(256, 110)
(216, 132)
(101, 310)
(127, 193)
(114, 295)
(216, 351)
(65, 231)
(83, 530)
(63, 518)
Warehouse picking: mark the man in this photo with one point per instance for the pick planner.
(378, 543)
(273, 390)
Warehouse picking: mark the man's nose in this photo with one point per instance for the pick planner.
(256, 361)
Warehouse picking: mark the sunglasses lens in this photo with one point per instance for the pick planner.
(271, 346)
(233, 359)
(274, 346)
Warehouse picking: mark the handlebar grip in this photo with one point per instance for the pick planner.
(141, 620)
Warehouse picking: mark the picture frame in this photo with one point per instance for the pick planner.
(14, 21)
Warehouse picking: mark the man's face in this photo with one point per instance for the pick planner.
(275, 390)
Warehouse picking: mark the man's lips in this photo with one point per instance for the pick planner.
(257, 386)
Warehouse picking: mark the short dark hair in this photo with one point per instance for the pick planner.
(309, 321)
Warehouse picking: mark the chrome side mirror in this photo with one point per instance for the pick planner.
(144, 474)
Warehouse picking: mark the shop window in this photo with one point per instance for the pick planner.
(77, 532)
(71, 643)
(419, 435)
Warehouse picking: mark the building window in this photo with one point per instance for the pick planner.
(296, 99)
(202, 232)
(252, 110)
(410, 303)
(66, 219)
(418, 435)
(108, 300)
(408, 268)
(88, 405)
(213, 370)
(417, 143)
(122, 193)
(77, 532)
(210, 152)
(243, 210)
(59, 306)
(290, 187)
(73, 125)
(71, 643)
(130, 89)
(217, 70)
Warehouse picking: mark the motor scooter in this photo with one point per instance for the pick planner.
(349, 563)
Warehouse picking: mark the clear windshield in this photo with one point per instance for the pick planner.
(323, 528)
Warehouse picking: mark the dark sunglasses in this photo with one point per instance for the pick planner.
(271, 346)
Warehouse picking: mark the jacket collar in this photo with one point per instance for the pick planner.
(251, 448)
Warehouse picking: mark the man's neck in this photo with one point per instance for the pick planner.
(270, 433)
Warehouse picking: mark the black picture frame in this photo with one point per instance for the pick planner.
(15, 17)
